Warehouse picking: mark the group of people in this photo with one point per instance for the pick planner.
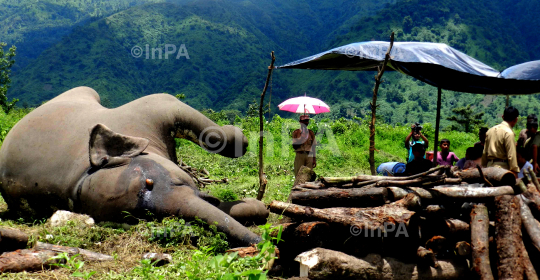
(497, 147)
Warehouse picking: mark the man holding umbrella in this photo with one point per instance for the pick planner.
(304, 144)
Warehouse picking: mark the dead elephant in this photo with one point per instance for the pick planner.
(74, 154)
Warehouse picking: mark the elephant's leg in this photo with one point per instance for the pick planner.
(185, 203)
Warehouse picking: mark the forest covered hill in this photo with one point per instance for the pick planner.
(229, 43)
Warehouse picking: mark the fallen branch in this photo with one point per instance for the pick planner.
(87, 255)
(12, 239)
(368, 179)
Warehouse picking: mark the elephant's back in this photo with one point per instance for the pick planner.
(49, 146)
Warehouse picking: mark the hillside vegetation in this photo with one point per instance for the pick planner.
(229, 43)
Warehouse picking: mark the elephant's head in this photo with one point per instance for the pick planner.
(123, 177)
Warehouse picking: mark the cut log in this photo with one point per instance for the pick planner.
(463, 249)
(435, 211)
(471, 192)
(480, 242)
(532, 197)
(528, 268)
(507, 237)
(374, 179)
(455, 226)
(422, 181)
(333, 197)
(302, 237)
(27, 260)
(531, 225)
(322, 263)
(437, 244)
(85, 254)
(12, 239)
(426, 257)
(495, 175)
(393, 215)
(311, 185)
(465, 192)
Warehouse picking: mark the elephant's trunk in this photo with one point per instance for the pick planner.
(189, 206)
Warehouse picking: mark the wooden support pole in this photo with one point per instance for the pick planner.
(437, 121)
(374, 107)
(262, 180)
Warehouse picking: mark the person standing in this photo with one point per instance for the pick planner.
(445, 157)
(500, 146)
(416, 134)
(526, 133)
(304, 144)
(482, 136)
(531, 145)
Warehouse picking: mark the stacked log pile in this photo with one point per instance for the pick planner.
(441, 224)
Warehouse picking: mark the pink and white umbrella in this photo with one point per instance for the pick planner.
(304, 105)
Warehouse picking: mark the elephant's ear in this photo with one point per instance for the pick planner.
(109, 148)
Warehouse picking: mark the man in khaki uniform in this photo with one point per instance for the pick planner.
(500, 146)
(304, 145)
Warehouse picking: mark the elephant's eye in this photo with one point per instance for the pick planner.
(150, 184)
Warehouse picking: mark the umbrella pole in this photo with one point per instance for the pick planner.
(262, 180)
(437, 121)
(374, 108)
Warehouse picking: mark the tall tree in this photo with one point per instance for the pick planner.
(466, 118)
(6, 62)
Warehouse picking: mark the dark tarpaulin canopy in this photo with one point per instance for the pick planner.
(433, 63)
(436, 64)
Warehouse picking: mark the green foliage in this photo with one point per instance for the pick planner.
(226, 194)
(466, 118)
(180, 96)
(205, 266)
(75, 234)
(6, 62)
(174, 232)
(147, 270)
(73, 264)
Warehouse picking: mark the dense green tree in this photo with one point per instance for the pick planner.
(466, 118)
(6, 62)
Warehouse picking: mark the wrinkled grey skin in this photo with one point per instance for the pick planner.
(72, 153)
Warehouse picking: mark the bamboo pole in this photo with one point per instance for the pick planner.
(374, 107)
(437, 121)
(262, 180)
